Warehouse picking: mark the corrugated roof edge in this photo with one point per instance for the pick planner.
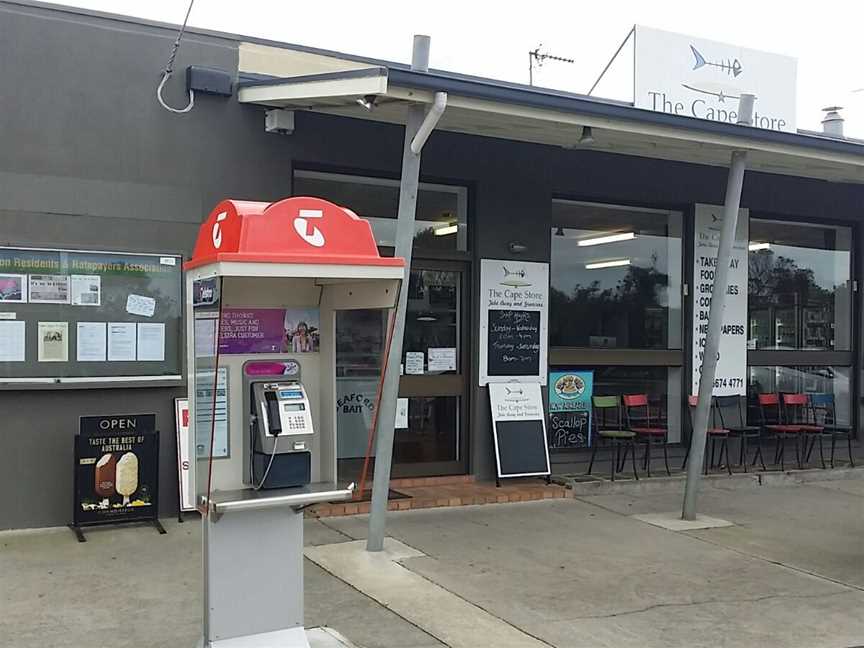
(492, 89)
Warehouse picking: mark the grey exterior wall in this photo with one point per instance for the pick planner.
(88, 159)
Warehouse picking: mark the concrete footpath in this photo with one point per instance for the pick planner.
(788, 572)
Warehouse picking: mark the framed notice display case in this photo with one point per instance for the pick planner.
(75, 316)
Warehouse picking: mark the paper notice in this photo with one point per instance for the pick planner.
(140, 305)
(442, 359)
(13, 288)
(169, 261)
(53, 338)
(49, 289)
(401, 413)
(12, 341)
(91, 344)
(414, 363)
(86, 290)
(205, 338)
(8, 316)
(151, 342)
(121, 341)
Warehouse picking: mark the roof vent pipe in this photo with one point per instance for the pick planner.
(832, 125)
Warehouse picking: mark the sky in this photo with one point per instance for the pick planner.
(493, 39)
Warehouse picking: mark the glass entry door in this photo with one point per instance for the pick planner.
(431, 440)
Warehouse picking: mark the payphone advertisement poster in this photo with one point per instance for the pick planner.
(570, 408)
(269, 330)
(116, 469)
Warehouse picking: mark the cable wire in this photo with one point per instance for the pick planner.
(169, 70)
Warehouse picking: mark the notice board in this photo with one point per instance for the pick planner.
(519, 430)
(513, 321)
(77, 316)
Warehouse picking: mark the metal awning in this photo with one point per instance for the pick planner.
(489, 108)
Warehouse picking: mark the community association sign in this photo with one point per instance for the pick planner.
(695, 77)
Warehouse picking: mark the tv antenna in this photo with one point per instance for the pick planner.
(537, 57)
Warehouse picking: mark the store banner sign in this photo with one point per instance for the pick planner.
(570, 408)
(116, 470)
(730, 378)
(695, 77)
(514, 310)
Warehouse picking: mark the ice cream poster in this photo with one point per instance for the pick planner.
(116, 473)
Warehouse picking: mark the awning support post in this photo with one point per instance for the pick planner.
(418, 127)
(734, 185)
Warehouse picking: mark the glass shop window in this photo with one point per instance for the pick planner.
(800, 286)
(615, 277)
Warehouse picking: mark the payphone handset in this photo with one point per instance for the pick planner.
(283, 409)
(282, 432)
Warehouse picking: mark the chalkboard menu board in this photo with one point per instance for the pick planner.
(519, 430)
(570, 394)
(569, 429)
(514, 343)
(513, 321)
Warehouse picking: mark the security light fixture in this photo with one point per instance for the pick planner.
(587, 136)
(609, 238)
(755, 247)
(615, 263)
(559, 231)
(516, 247)
(368, 102)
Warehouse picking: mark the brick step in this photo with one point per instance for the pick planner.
(466, 493)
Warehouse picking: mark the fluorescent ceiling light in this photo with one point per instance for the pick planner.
(447, 229)
(609, 238)
(607, 264)
(755, 247)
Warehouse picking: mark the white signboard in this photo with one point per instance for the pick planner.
(695, 77)
(514, 313)
(519, 429)
(184, 464)
(732, 364)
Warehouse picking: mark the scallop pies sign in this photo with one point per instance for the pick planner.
(695, 77)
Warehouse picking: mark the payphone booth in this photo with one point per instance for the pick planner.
(262, 291)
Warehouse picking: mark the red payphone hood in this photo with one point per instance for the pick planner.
(298, 230)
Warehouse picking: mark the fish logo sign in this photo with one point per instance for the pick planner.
(731, 67)
(514, 278)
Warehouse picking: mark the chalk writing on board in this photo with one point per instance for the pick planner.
(568, 429)
(514, 342)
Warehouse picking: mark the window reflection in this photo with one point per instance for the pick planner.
(804, 380)
(440, 223)
(799, 286)
(615, 277)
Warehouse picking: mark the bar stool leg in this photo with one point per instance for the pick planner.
(593, 454)
(666, 456)
(728, 462)
(614, 456)
(633, 457)
(821, 452)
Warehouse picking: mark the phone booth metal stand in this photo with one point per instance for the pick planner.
(262, 390)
